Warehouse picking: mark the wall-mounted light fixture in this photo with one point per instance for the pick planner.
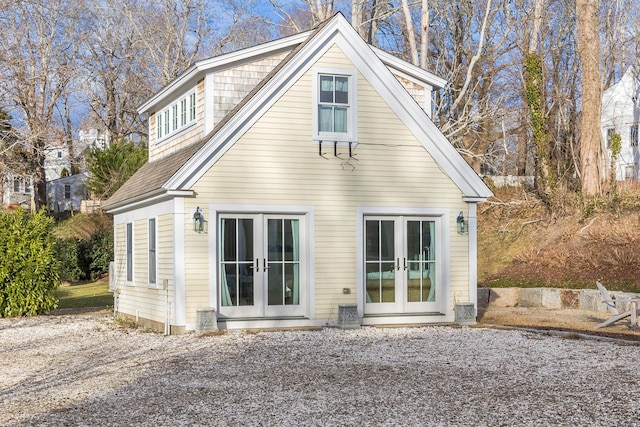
(199, 223)
(463, 225)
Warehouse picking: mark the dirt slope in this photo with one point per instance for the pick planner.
(521, 244)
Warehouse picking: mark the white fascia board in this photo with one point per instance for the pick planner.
(221, 62)
(424, 76)
(148, 200)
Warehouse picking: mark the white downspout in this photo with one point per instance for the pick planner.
(473, 255)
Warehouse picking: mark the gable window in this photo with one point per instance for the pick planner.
(129, 252)
(633, 135)
(335, 105)
(176, 116)
(152, 251)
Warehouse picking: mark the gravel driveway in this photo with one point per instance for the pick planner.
(87, 370)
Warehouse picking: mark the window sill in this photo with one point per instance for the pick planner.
(330, 140)
(175, 133)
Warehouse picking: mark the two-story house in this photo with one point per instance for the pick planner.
(290, 178)
(621, 115)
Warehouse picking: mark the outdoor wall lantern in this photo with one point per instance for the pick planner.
(463, 225)
(199, 224)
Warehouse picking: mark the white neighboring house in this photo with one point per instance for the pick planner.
(17, 190)
(66, 194)
(56, 161)
(621, 115)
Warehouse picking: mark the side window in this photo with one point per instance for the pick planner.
(335, 101)
(129, 238)
(152, 251)
(67, 191)
(633, 135)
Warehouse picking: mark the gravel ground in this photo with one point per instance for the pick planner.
(85, 369)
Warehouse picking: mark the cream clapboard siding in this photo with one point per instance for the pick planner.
(184, 137)
(139, 299)
(276, 163)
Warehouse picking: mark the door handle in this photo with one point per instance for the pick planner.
(398, 264)
(256, 267)
(405, 263)
(264, 264)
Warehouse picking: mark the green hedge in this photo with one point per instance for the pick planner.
(85, 259)
(29, 268)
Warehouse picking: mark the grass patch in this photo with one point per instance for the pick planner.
(86, 295)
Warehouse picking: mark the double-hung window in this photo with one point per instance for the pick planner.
(129, 260)
(335, 105)
(633, 135)
(152, 251)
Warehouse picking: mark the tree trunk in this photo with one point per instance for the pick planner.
(590, 138)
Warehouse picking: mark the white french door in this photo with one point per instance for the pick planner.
(261, 265)
(402, 265)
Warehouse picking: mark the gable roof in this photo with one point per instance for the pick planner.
(180, 170)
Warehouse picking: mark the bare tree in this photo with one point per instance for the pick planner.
(590, 139)
(115, 80)
(171, 33)
(39, 51)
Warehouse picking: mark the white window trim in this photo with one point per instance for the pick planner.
(331, 137)
(172, 115)
(155, 232)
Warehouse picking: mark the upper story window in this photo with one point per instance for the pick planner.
(179, 114)
(633, 135)
(334, 102)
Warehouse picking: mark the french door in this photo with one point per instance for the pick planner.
(261, 266)
(401, 265)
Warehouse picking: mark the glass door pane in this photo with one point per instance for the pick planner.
(380, 267)
(420, 271)
(237, 262)
(283, 262)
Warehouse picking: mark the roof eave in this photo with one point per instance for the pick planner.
(146, 199)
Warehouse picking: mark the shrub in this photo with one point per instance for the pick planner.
(84, 259)
(100, 253)
(68, 252)
(29, 270)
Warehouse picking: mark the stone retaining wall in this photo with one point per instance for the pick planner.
(580, 299)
